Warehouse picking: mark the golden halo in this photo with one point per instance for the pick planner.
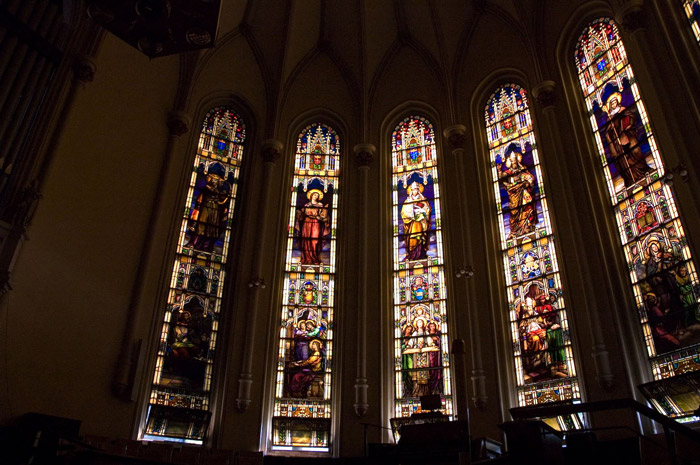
(320, 194)
(300, 323)
(318, 341)
(647, 247)
(420, 187)
(425, 322)
(615, 95)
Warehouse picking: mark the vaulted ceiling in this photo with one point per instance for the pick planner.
(360, 35)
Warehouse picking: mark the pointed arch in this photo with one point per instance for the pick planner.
(661, 270)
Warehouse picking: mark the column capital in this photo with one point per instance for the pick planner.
(455, 136)
(178, 123)
(632, 17)
(271, 150)
(545, 94)
(364, 154)
(84, 68)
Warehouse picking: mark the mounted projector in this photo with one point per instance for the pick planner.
(159, 27)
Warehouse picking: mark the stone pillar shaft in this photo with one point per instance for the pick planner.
(271, 150)
(364, 154)
(455, 135)
(545, 95)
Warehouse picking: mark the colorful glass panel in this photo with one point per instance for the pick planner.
(660, 266)
(302, 407)
(544, 364)
(421, 343)
(178, 407)
(692, 10)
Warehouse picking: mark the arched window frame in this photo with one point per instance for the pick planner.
(393, 348)
(218, 280)
(273, 443)
(514, 162)
(668, 363)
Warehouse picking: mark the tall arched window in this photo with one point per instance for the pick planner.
(544, 364)
(658, 257)
(178, 408)
(692, 10)
(421, 344)
(302, 406)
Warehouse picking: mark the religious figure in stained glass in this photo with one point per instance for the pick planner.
(519, 184)
(305, 373)
(421, 361)
(541, 334)
(312, 227)
(545, 368)
(302, 404)
(415, 214)
(624, 138)
(662, 271)
(179, 401)
(188, 344)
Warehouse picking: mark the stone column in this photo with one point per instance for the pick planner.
(364, 154)
(460, 367)
(455, 140)
(546, 96)
(271, 150)
(178, 124)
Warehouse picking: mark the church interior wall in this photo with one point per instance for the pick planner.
(88, 272)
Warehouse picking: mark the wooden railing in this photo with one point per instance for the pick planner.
(670, 426)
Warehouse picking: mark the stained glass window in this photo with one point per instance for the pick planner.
(544, 364)
(660, 266)
(421, 344)
(692, 10)
(302, 405)
(178, 408)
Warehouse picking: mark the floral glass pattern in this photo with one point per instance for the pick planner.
(544, 363)
(660, 266)
(178, 407)
(302, 405)
(421, 344)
